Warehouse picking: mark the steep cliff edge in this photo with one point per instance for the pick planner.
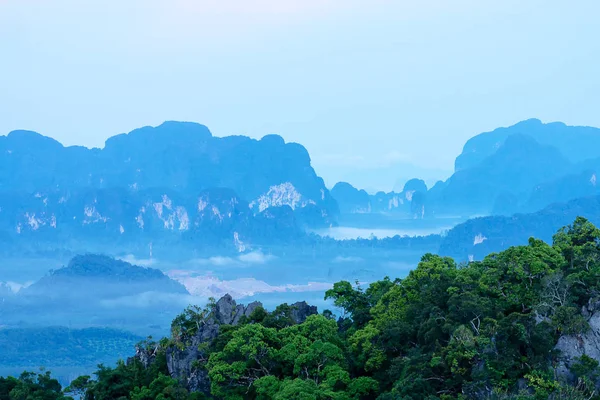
(155, 183)
(187, 354)
(573, 347)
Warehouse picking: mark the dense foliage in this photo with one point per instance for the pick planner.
(31, 386)
(483, 330)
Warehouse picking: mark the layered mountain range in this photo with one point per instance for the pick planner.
(174, 180)
(521, 168)
(177, 184)
(530, 179)
(475, 238)
(410, 201)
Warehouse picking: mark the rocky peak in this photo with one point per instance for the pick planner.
(592, 307)
(146, 355)
(301, 310)
(228, 312)
(32, 140)
(415, 185)
(183, 363)
(186, 363)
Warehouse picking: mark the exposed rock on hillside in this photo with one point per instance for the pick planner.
(185, 361)
(301, 310)
(155, 183)
(177, 155)
(572, 347)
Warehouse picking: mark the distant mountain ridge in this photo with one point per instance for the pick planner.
(577, 143)
(155, 181)
(178, 155)
(95, 290)
(521, 168)
(478, 237)
(524, 168)
(177, 184)
(98, 277)
(514, 169)
(410, 201)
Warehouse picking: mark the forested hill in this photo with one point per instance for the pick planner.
(477, 237)
(520, 324)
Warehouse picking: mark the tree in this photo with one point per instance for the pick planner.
(186, 324)
(79, 386)
(162, 388)
(32, 386)
(485, 329)
(247, 357)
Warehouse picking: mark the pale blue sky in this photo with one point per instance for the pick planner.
(366, 85)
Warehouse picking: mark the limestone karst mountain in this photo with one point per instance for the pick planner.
(156, 183)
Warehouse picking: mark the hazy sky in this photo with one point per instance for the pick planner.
(362, 84)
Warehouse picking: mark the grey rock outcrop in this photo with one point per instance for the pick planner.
(186, 364)
(227, 312)
(301, 310)
(145, 355)
(187, 359)
(574, 346)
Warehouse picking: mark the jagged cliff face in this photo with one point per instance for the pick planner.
(186, 363)
(176, 155)
(572, 347)
(214, 216)
(173, 179)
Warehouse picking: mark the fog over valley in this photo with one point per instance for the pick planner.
(314, 200)
(105, 239)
